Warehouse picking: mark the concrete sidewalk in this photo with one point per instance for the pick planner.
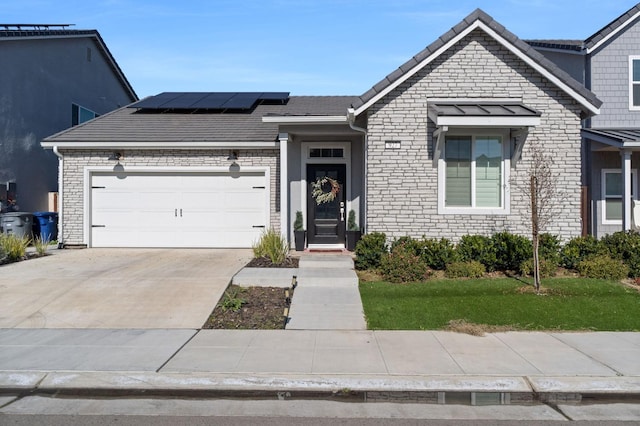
(327, 295)
(421, 366)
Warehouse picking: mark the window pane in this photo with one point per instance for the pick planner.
(613, 184)
(488, 171)
(458, 171)
(314, 152)
(636, 94)
(337, 153)
(636, 70)
(85, 115)
(613, 209)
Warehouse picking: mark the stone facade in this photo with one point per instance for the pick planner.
(75, 162)
(402, 185)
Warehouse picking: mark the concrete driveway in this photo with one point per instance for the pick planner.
(117, 288)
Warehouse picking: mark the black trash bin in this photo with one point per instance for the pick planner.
(19, 224)
(45, 225)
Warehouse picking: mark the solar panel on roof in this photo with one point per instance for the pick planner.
(242, 100)
(154, 101)
(213, 100)
(208, 100)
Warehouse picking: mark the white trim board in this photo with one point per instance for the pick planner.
(475, 25)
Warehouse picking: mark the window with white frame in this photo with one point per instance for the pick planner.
(634, 82)
(612, 188)
(472, 174)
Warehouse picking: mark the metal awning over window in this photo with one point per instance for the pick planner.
(483, 114)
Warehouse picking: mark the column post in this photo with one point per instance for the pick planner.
(626, 192)
(284, 185)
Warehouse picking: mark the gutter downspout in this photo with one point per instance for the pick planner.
(351, 118)
(60, 196)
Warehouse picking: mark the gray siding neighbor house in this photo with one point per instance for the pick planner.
(609, 63)
(441, 147)
(52, 78)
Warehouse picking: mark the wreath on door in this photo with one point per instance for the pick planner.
(319, 194)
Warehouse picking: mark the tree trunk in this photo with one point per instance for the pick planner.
(534, 232)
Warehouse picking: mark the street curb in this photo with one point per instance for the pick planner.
(423, 389)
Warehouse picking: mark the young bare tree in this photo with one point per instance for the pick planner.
(544, 196)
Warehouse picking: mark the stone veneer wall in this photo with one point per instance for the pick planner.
(76, 160)
(403, 186)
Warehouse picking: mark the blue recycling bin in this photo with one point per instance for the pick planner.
(45, 225)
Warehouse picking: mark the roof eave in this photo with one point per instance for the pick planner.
(589, 107)
(147, 145)
(613, 33)
(305, 119)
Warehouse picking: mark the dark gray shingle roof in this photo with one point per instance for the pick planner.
(612, 26)
(573, 45)
(480, 15)
(129, 125)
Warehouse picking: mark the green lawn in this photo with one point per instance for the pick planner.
(569, 304)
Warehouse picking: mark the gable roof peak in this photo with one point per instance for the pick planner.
(612, 28)
(480, 19)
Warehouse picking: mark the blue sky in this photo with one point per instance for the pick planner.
(306, 47)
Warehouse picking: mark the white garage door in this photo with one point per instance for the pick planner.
(178, 209)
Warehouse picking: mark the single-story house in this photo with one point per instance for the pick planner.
(438, 148)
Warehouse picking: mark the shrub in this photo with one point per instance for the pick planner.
(272, 245)
(549, 248)
(603, 267)
(479, 248)
(370, 249)
(41, 245)
(511, 250)
(437, 253)
(547, 268)
(351, 221)
(578, 249)
(403, 265)
(624, 246)
(231, 300)
(298, 224)
(408, 243)
(14, 247)
(466, 269)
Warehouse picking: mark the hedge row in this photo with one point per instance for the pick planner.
(406, 259)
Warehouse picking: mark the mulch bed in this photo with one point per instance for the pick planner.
(252, 308)
(261, 308)
(265, 262)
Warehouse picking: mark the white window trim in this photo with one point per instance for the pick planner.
(506, 168)
(603, 190)
(632, 107)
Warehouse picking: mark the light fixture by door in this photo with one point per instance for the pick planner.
(233, 156)
(115, 156)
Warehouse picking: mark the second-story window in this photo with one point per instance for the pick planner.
(634, 82)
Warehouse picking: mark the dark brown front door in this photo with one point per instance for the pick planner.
(325, 221)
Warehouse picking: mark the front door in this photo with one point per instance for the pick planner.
(326, 220)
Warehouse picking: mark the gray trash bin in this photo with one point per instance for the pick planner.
(19, 224)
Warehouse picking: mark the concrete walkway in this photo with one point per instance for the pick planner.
(400, 364)
(327, 296)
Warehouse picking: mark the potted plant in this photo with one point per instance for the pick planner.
(299, 232)
(353, 231)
